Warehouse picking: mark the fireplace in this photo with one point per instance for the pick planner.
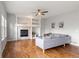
(23, 33)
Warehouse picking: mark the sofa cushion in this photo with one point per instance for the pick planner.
(47, 34)
(54, 35)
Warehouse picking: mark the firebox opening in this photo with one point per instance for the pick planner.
(23, 33)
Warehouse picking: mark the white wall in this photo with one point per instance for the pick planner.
(2, 42)
(71, 25)
(43, 20)
(11, 27)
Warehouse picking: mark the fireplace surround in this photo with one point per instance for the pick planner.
(24, 32)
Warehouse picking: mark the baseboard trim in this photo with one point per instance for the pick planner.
(18, 39)
(76, 44)
(11, 40)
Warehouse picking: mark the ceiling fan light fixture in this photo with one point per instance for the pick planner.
(39, 13)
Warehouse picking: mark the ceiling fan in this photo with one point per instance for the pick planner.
(40, 12)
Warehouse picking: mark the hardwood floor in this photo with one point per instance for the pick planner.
(27, 49)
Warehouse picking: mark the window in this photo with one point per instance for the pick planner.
(3, 28)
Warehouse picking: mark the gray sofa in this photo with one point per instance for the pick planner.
(52, 40)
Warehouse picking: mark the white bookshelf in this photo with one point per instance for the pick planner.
(33, 22)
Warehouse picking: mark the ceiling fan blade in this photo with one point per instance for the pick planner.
(44, 11)
(33, 12)
(42, 14)
(39, 10)
(36, 14)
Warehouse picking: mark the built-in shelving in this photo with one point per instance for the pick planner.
(32, 24)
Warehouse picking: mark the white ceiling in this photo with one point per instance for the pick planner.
(53, 7)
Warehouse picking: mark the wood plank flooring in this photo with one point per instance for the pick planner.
(27, 49)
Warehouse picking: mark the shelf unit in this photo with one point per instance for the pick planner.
(33, 22)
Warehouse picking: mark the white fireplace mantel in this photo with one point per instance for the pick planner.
(19, 28)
